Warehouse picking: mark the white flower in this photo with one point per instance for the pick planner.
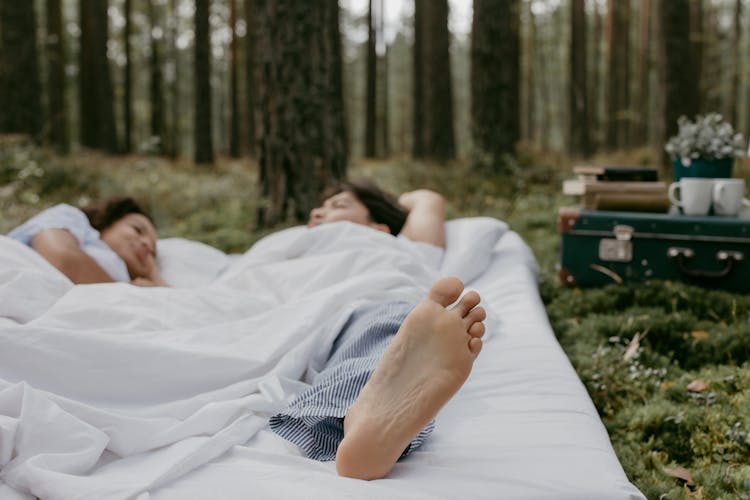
(708, 137)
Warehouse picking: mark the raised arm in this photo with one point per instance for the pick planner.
(426, 219)
(63, 251)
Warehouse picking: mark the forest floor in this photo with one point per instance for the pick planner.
(676, 402)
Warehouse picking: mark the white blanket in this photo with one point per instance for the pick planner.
(113, 391)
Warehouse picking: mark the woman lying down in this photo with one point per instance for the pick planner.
(112, 240)
(393, 366)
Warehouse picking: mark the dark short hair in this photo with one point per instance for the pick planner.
(104, 213)
(382, 206)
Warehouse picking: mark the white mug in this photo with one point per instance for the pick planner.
(728, 195)
(696, 195)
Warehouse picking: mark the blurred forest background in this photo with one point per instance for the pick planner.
(302, 87)
(230, 117)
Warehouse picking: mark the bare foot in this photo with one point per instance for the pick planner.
(425, 364)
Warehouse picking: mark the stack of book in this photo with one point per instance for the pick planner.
(633, 189)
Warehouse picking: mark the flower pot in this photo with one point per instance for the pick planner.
(703, 168)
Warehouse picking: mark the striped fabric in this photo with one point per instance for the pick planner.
(314, 421)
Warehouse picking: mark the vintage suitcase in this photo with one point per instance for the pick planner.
(601, 247)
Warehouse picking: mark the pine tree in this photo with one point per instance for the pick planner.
(301, 132)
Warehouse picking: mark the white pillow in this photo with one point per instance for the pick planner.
(188, 264)
(468, 246)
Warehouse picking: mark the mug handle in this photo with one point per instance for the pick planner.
(717, 194)
(672, 188)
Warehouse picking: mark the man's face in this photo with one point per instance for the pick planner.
(133, 238)
(341, 206)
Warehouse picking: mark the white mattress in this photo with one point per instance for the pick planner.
(111, 391)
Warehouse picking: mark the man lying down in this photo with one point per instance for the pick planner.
(394, 365)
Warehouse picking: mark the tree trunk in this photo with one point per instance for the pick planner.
(527, 89)
(545, 95)
(301, 132)
(156, 92)
(370, 87)
(640, 126)
(58, 110)
(20, 98)
(697, 47)
(495, 71)
(418, 118)
(437, 106)
(618, 99)
(127, 97)
(384, 98)
(734, 93)
(175, 142)
(680, 85)
(234, 125)
(204, 150)
(595, 75)
(579, 114)
(250, 83)
(97, 115)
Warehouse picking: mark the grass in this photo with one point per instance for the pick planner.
(681, 399)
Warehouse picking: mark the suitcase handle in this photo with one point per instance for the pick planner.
(683, 254)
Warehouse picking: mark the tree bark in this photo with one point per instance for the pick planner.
(97, 116)
(697, 47)
(618, 99)
(680, 83)
(384, 100)
(579, 114)
(301, 131)
(437, 106)
(595, 77)
(495, 72)
(640, 126)
(528, 99)
(250, 78)
(58, 111)
(175, 140)
(234, 120)
(204, 150)
(734, 92)
(370, 87)
(127, 97)
(418, 118)
(20, 98)
(156, 91)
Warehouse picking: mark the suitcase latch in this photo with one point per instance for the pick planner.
(619, 249)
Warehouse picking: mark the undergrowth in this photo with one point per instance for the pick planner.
(666, 364)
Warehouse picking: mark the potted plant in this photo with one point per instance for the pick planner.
(705, 147)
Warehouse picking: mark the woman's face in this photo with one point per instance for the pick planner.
(341, 206)
(133, 238)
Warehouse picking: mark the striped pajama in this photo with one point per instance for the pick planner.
(314, 420)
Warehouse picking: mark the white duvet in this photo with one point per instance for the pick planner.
(115, 391)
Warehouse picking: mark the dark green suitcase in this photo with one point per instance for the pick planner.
(614, 247)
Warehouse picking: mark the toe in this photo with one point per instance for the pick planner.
(467, 303)
(475, 345)
(475, 315)
(446, 291)
(476, 330)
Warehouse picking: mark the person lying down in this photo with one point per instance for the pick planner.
(111, 240)
(391, 369)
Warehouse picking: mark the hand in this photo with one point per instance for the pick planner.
(422, 197)
(140, 281)
(153, 279)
